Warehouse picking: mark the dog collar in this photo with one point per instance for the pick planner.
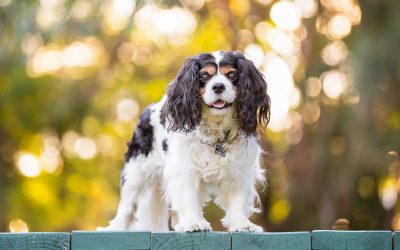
(218, 145)
(220, 150)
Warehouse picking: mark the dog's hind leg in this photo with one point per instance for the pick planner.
(152, 211)
(133, 183)
(139, 178)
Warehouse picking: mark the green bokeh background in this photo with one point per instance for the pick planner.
(343, 164)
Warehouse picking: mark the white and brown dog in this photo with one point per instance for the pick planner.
(199, 140)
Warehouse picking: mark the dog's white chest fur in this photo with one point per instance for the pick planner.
(210, 166)
(214, 148)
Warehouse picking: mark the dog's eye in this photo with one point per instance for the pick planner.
(232, 76)
(204, 77)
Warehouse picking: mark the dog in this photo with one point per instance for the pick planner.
(199, 141)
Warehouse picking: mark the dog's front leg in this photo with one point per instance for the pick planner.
(238, 206)
(184, 194)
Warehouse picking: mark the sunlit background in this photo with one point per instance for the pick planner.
(75, 75)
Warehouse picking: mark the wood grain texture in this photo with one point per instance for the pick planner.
(360, 240)
(193, 241)
(396, 240)
(317, 240)
(281, 241)
(33, 241)
(110, 240)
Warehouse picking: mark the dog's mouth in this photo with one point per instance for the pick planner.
(219, 104)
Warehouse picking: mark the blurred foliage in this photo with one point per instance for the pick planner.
(74, 75)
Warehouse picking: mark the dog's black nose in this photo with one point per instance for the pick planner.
(218, 88)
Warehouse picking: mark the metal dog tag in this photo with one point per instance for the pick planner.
(219, 150)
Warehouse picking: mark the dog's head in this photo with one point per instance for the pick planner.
(220, 82)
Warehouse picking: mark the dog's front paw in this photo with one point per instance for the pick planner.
(247, 227)
(192, 226)
(243, 225)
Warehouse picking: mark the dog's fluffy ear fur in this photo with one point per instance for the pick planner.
(183, 105)
(252, 103)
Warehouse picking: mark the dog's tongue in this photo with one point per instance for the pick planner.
(218, 104)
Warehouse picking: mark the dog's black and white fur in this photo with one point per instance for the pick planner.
(199, 140)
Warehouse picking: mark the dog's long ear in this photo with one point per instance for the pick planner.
(253, 103)
(183, 106)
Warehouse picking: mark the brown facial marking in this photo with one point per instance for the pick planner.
(202, 91)
(210, 69)
(226, 69)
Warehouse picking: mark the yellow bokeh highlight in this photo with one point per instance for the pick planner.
(68, 141)
(127, 109)
(283, 42)
(28, 164)
(338, 18)
(308, 8)
(339, 27)
(334, 53)
(286, 15)
(239, 7)
(85, 148)
(46, 60)
(282, 91)
(279, 211)
(164, 26)
(52, 59)
(311, 112)
(255, 53)
(38, 192)
(366, 186)
(334, 83)
(193, 5)
(81, 9)
(18, 226)
(49, 13)
(313, 86)
(388, 192)
(50, 160)
(116, 15)
(396, 222)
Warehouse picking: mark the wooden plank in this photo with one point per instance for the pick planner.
(396, 240)
(337, 240)
(110, 240)
(33, 241)
(281, 241)
(193, 241)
